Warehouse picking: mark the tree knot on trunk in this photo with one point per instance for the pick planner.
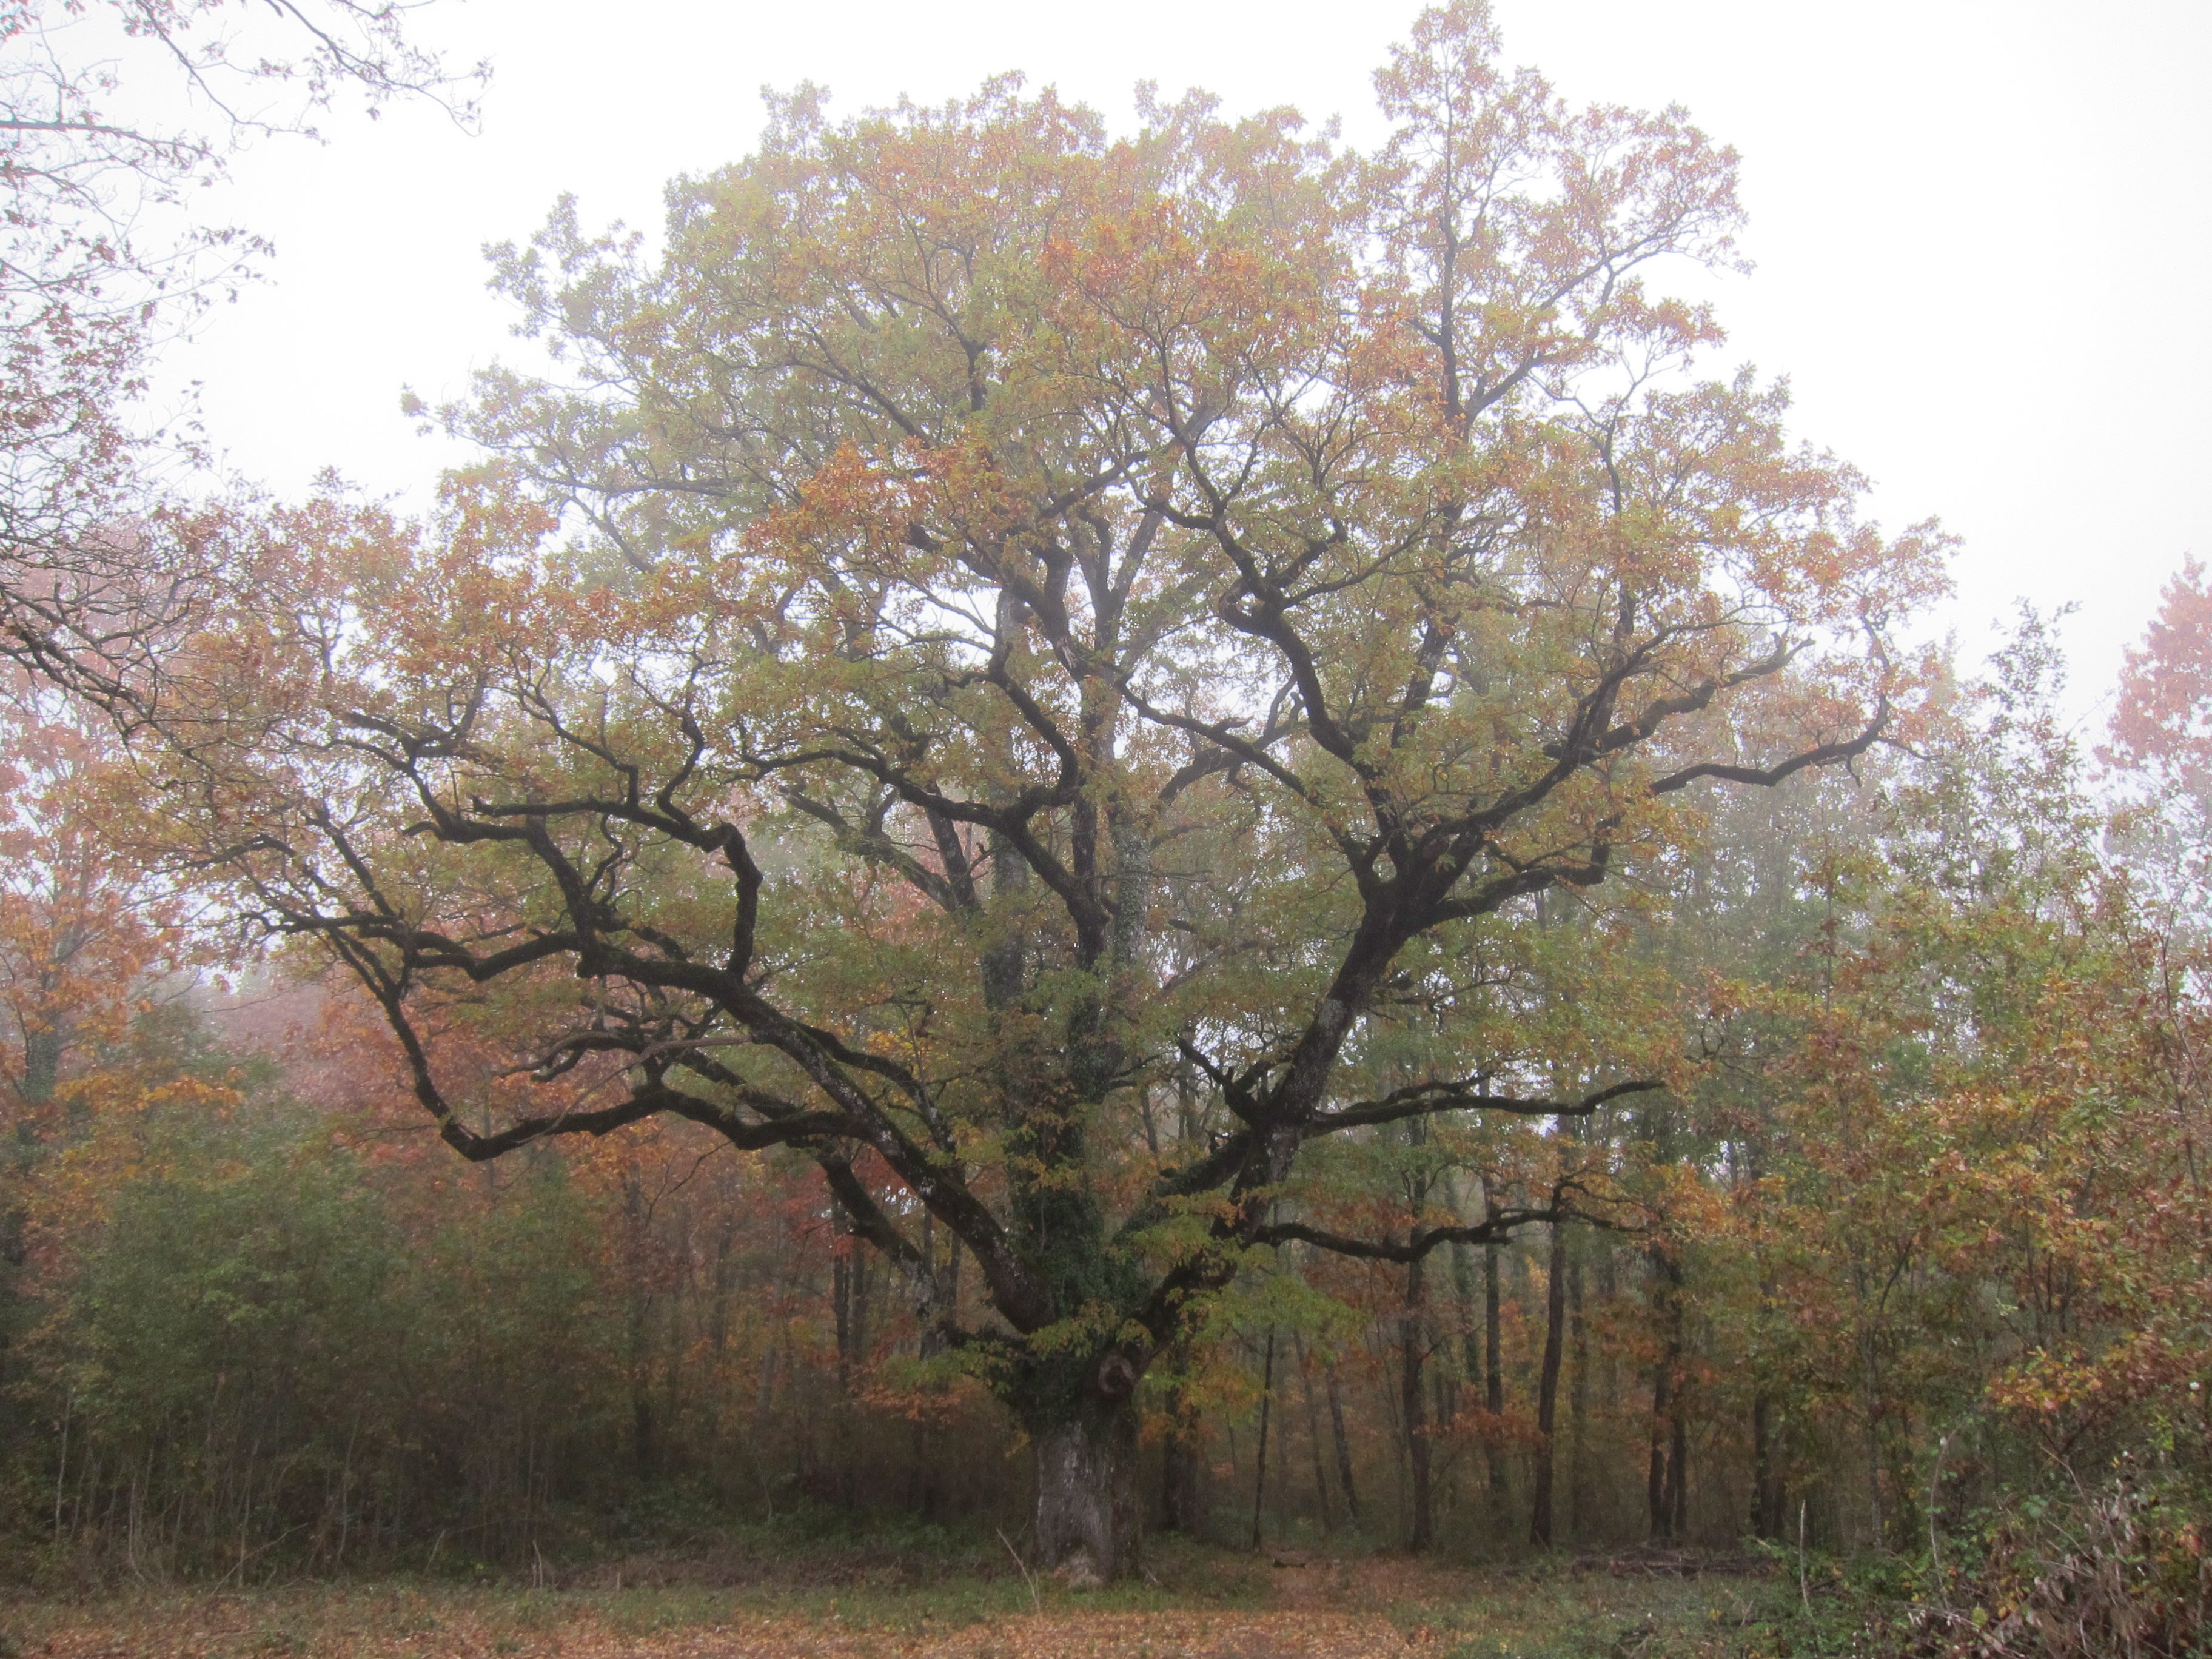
(1116, 1377)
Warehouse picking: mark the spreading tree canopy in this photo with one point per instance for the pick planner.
(999, 622)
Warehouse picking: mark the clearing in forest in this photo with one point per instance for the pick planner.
(1204, 1604)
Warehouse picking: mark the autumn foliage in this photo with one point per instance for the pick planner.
(1096, 831)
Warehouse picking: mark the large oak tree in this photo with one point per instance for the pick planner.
(1002, 622)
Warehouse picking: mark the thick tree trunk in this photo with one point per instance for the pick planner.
(1086, 1495)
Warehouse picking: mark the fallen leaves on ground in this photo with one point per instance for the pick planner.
(1212, 1606)
(1046, 1636)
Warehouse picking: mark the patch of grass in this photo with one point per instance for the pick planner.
(795, 1599)
(1561, 1614)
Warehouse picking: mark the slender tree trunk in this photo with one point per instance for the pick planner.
(1172, 1475)
(720, 1280)
(1470, 1333)
(841, 1310)
(42, 1065)
(861, 1262)
(1343, 1448)
(1493, 1379)
(1175, 1470)
(948, 1282)
(1609, 1294)
(1313, 1437)
(1260, 1462)
(1578, 1398)
(1412, 1340)
(1548, 1388)
(1179, 1454)
(1664, 1486)
(1767, 1501)
(644, 1452)
(927, 1283)
(929, 1341)
(1871, 1386)
(1678, 1470)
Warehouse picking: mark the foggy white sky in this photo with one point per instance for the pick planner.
(1982, 227)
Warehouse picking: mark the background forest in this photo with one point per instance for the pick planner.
(1917, 1248)
(1099, 835)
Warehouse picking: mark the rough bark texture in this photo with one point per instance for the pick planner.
(1087, 1527)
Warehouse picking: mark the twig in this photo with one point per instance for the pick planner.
(1035, 1606)
(1934, 1550)
(1804, 1590)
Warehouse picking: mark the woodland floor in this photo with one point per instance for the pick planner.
(1204, 1604)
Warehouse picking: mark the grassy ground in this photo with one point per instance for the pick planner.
(1202, 1603)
